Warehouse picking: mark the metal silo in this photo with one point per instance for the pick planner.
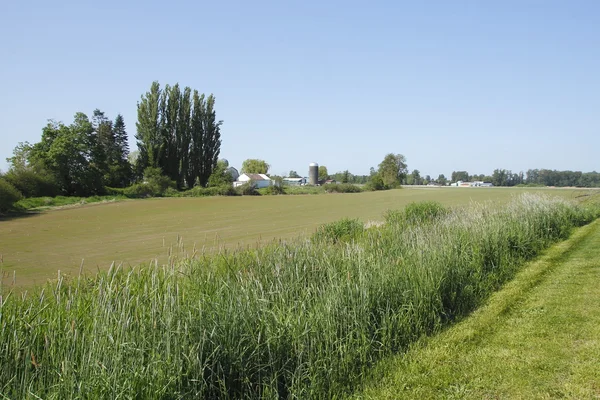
(313, 174)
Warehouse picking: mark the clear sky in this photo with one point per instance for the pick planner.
(452, 85)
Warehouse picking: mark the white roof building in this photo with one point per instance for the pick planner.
(260, 180)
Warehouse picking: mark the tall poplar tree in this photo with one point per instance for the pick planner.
(178, 132)
(149, 141)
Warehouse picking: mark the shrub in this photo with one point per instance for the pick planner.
(9, 195)
(158, 182)
(223, 190)
(274, 190)
(171, 192)
(247, 189)
(342, 188)
(344, 230)
(306, 189)
(376, 183)
(33, 184)
(140, 190)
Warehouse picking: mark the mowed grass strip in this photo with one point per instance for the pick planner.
(34, 247)
(537, 338)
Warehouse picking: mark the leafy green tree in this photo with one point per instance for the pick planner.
(346, 176)
(323, 174)
(375, 182)
(149, 140)
(67, 152)
(9, 195)
(414, 178)
(442, 179)
(255, 166)
(460, 176)
(220, 175)
(211, 145)
(393, 169)
(293, 174)
(500, 177)
(28, 177)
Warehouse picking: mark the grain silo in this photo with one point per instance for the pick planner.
(313, 174)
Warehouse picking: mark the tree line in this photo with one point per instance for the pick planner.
(79, 159)
(537, 177)
(178, 137)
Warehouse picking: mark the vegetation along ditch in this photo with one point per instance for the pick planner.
(302, 319)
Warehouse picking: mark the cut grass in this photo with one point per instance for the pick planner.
(137, 231)
(539, 337)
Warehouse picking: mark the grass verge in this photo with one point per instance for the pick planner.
(539, 337)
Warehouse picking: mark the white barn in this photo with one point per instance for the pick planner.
(260, 180)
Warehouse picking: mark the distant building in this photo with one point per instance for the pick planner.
(472, 184)
(295, 181)
(233, 172)
(260, 180)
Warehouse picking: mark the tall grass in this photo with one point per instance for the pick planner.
(301, 319)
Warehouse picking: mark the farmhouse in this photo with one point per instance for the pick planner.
(259, 180)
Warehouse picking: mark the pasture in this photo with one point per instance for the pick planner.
(34, 247)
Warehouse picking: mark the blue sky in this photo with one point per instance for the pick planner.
(452, 85)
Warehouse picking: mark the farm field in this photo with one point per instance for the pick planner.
(536, 338)
(303, 319)
(35, 247)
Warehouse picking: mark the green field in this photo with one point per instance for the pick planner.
(302, 319)
(34, 247)
(538, 338)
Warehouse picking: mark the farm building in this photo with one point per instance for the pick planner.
(472, 184)
(294, 181)
(233, 172)
(260, 180)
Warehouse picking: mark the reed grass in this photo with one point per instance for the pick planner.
(297, 319)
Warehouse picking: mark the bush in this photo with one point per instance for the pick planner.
(33, 184)
(342, 188)
(9, 195)
(171, 192)
(306, 189)
(344, 230)
(247, 189)
(376, 183)
(274, 190)
(223, 190)
(155, 185)
(158, 182)
(140, 191)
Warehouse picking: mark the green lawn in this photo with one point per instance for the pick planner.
(34, 247)
(537, 338)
